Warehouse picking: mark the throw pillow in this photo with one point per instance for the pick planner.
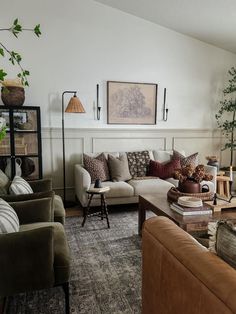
(184, 161)
(9, 221)
(4, 182)
(163, 170)
(20, 186)
(119, 168)
(223, 240)
(138, 163)
(97, 167)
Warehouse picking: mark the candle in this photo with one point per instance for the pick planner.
(231, 173)
(164, 97)
(98, 95)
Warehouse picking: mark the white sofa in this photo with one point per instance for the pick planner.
(128, 192)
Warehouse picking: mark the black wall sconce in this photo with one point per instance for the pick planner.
(98, 105)
(165, 110)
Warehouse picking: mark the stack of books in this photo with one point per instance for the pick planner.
(187, 206)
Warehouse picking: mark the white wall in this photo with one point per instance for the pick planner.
(85, 43)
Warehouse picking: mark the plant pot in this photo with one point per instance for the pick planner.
(189, 186)
(13, 95)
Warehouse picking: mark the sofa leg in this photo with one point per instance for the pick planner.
(66, 289)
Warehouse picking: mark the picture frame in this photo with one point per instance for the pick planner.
(131, 103)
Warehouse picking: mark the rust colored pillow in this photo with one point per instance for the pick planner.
(163, 170)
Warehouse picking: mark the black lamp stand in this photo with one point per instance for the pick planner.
(66, 203)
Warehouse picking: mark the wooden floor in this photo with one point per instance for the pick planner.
(74, 211)
(77, 210)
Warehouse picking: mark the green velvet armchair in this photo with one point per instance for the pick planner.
(42, 188)
(36, 257)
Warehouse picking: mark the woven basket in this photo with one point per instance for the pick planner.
(173, 195)
(13, 95)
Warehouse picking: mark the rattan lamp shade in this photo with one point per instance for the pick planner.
(75, 106)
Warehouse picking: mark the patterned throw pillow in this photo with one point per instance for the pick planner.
(20, 186)
(163, 170)
(9, 221)
(223, 240)
(184, 161)
(97, 167)
(138, 163)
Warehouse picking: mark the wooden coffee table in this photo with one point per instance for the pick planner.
(159, 205)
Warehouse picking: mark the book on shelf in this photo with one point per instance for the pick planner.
(191, 211)
(99, 190)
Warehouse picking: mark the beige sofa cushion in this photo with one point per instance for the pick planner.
(117, 189)
(150, 186)
(119, 168)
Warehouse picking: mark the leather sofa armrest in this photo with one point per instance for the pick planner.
(82, 183)
(41, 185)
(31, 211)
(26, 261)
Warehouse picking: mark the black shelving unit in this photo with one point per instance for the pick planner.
(21, 149)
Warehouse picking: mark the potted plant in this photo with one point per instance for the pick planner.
(226, 118)
(13, 90)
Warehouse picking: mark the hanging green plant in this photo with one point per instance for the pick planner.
(13, 56)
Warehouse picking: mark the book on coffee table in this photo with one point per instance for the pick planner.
(190, 211)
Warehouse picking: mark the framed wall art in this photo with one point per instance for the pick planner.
(131, 103)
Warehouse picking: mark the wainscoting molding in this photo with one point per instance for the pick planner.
(79, 141)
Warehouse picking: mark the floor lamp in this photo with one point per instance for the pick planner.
(74, 106)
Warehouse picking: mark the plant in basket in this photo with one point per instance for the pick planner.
(190, 177)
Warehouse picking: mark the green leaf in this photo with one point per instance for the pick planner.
(37, 30)
(1, 52)
(2, 75)
(15, 22)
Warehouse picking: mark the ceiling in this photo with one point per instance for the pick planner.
(212, 21)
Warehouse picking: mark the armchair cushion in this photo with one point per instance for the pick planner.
(31, 211)
(26, 260)
(27, 197)
(42, 185)
(20, 186)
(9, 221)
(61, 262)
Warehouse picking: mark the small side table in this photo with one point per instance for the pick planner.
(223, 185)
(103, 213)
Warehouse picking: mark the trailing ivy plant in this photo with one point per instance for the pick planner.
(227, 114)
(13, 56)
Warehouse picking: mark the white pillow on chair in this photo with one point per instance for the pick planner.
(20, 186)
(9, 221)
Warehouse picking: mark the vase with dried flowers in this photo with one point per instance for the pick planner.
(190, 177)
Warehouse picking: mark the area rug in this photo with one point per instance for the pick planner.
(106, 270)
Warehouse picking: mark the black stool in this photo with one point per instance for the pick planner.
(103, 212)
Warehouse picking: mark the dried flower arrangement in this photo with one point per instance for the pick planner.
(191, 173)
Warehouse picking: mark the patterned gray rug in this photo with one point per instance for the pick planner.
(106, 270)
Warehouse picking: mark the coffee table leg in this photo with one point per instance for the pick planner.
(141, 217)
(86, 212)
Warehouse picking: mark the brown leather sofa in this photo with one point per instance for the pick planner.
(179, 276)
